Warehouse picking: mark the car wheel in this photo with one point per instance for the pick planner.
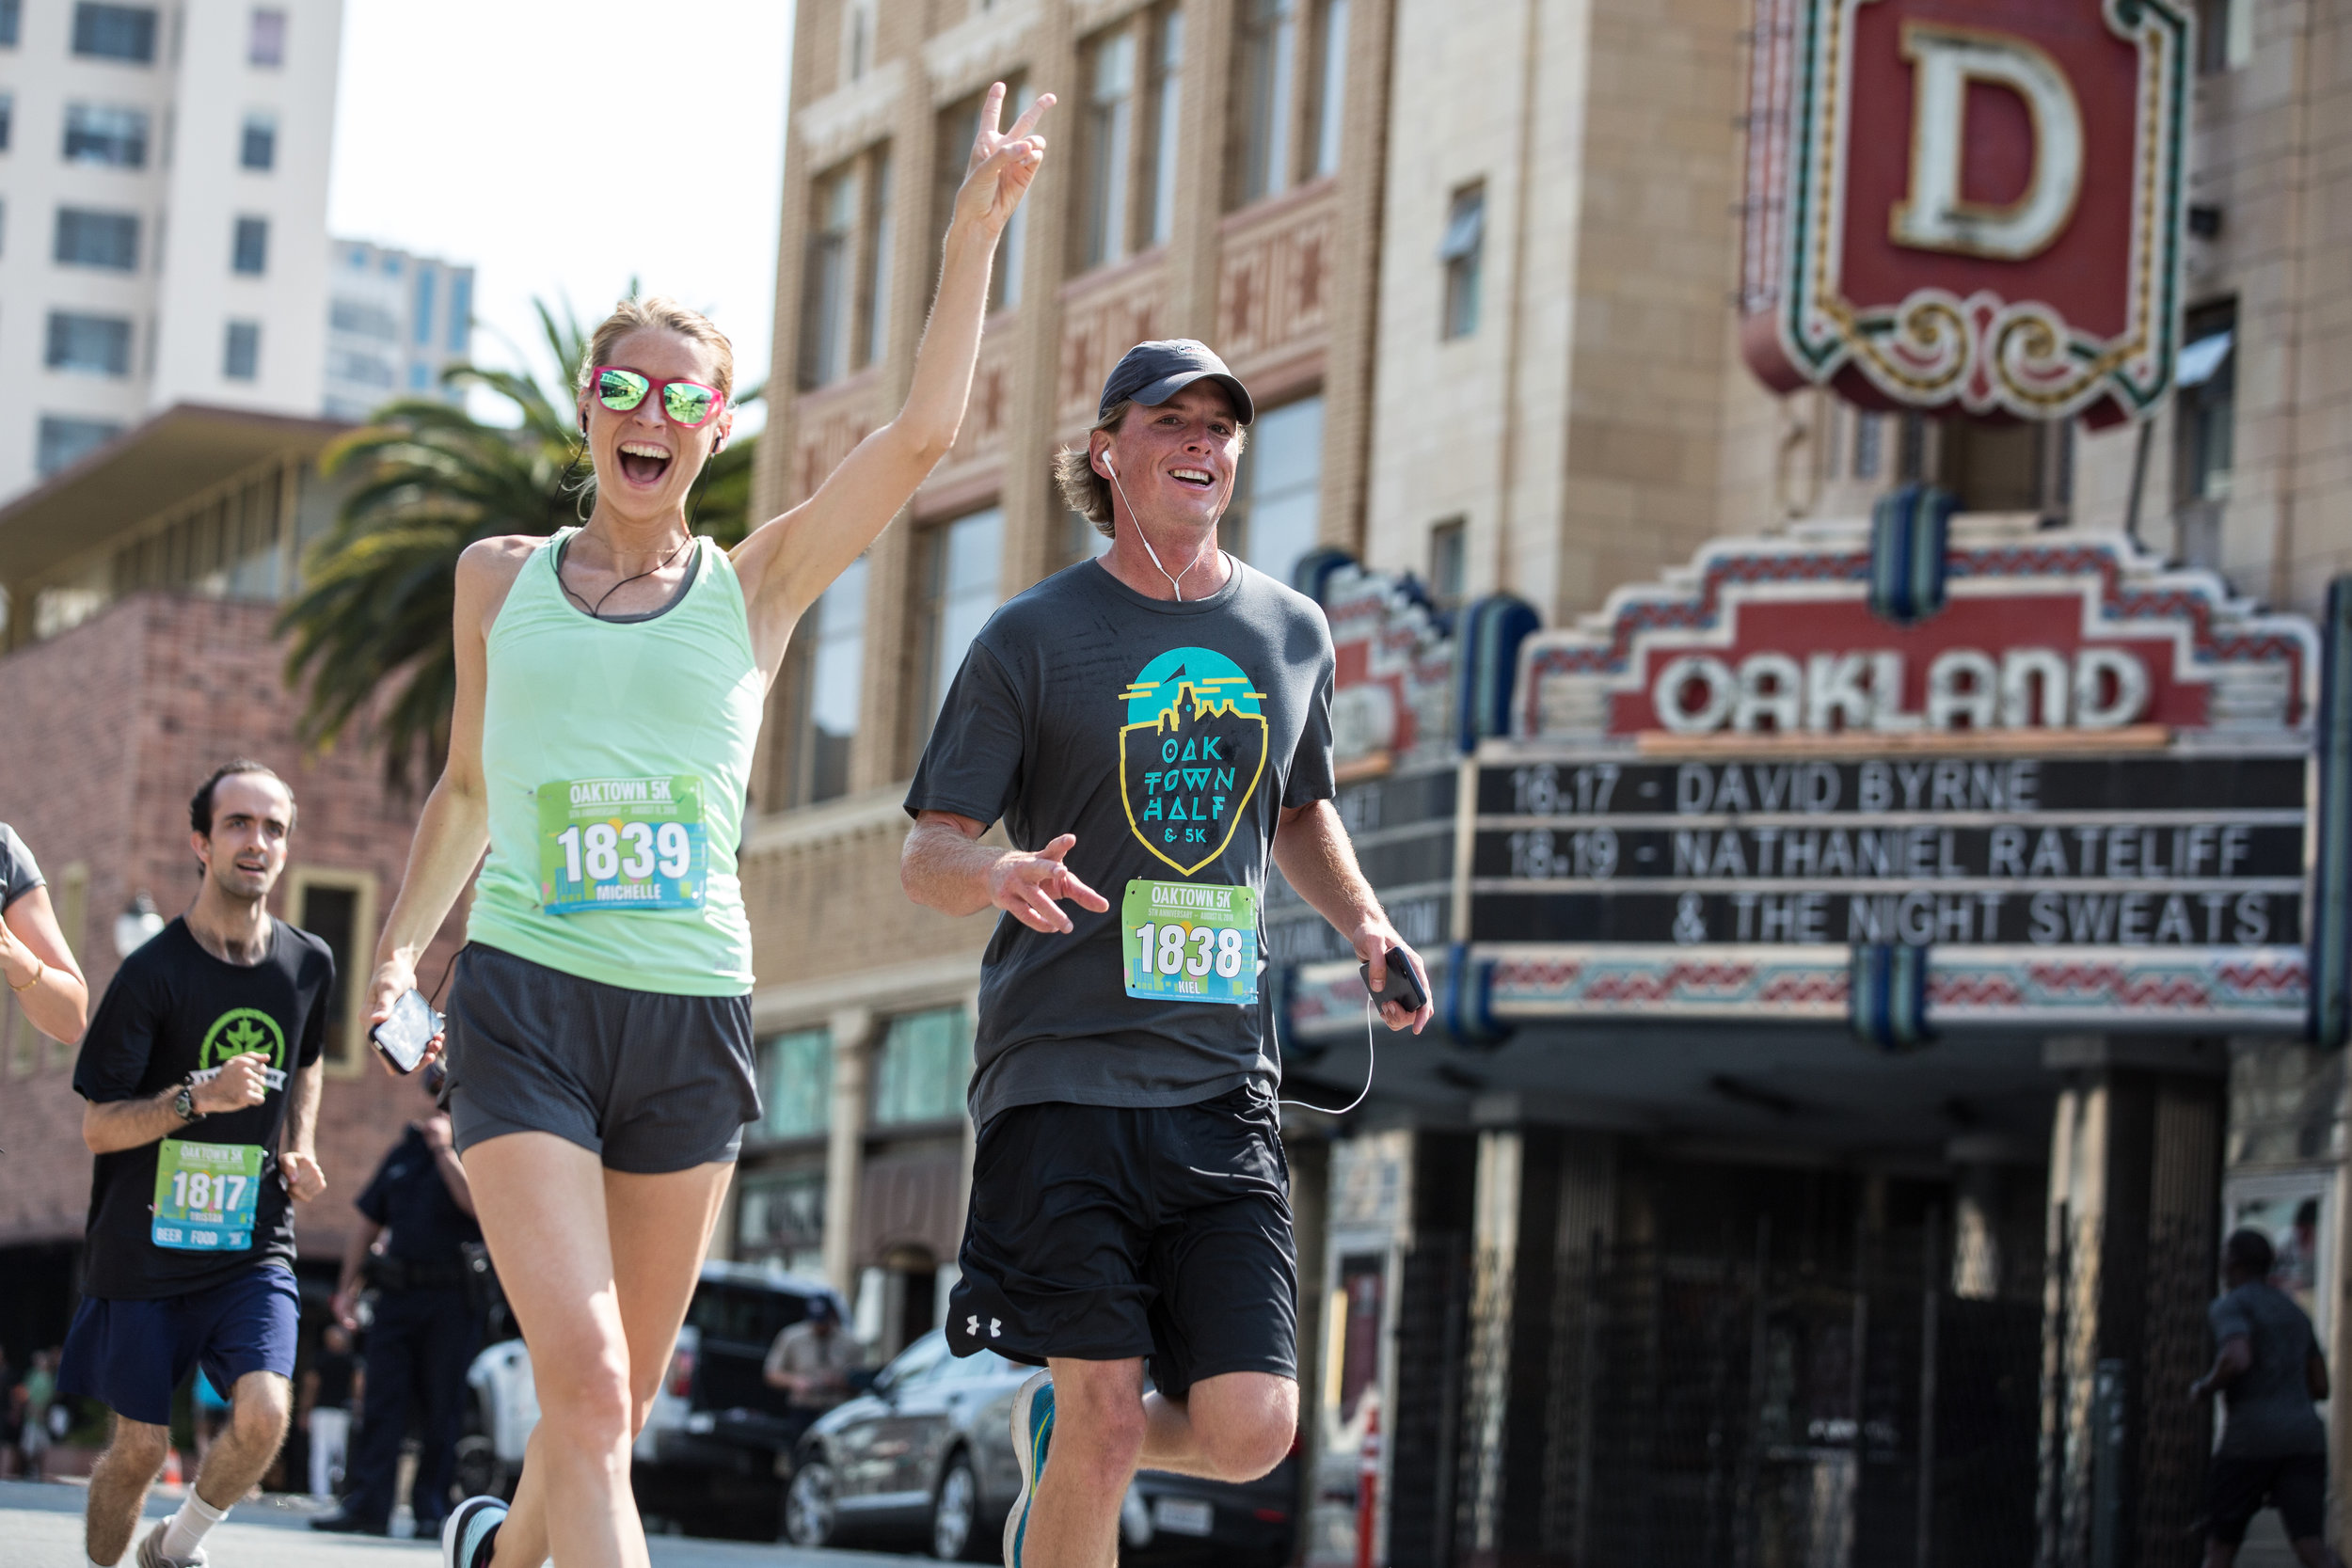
(810, 1516)
(955, 1509)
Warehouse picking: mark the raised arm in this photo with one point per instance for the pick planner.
(788, 562)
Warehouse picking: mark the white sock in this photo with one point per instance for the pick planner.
(187, 1532)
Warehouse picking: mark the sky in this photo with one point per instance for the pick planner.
(562, 147)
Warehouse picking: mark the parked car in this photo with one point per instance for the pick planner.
(926, 1454)
(717, 1445)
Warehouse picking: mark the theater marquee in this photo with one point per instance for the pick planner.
(2079, 792)
(1968, 205)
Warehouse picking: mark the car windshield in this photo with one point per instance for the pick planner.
(918, 1362)
(744, 1314)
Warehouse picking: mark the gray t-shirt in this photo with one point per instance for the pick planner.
(1167, 737)
(19, 876)
(2270, 1403)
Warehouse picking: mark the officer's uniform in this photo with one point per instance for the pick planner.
(424, 1337)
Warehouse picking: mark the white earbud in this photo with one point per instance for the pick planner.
(1175, 580)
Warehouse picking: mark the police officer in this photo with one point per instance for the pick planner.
(425, 1328)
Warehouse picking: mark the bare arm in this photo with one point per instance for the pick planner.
(789, 560)
(40, 971)
(437, 1137)
(944, 867)
(346, 1303)
(1311, 848)
(2236, 1356)
(455, 826)
(119, 1124)
(305, 1180)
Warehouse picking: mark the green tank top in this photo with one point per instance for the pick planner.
(616, 755)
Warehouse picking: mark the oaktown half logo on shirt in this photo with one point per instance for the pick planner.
(1190, 754)
(236, 1032)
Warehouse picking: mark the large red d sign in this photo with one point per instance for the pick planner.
(1968, 204)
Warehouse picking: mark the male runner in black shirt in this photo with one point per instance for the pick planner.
(201, 1073)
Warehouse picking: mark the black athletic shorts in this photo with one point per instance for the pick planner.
(2237, 1489)
(1100, 1233)
(649, 1082)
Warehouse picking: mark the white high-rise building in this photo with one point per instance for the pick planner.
(163, 214)
(395, 320)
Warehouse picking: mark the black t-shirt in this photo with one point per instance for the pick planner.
(173, 1009)
(1168, 736)
(409, 1200)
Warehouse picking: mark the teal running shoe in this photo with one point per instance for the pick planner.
(471, 1533)
(1032, 1433)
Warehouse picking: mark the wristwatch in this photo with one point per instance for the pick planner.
(184, 1103)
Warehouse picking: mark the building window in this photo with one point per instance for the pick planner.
(420, 376)
(780, 1219)
(1330, 85)
(249, 255)
(363, 317)
(1275, 493)
(2205, 388)
(8, 118)
(827, 292)
(1270, 49)
(858, 25)
(1449, 565)
(339, 908)
(1168, 58)
(1110, 75)
(428, 282)
(11, 22)
(100, 134)
(241, 353)
(88, 239)
(960, 568)
(1870, 445)
(828, 676)
(257, 149)
(94, 345)
(2225, 35)
(266, 44)
(461, 311)
(923, 1067)
(1463, 252)
(796, 1084)
(365, 369)
(67, 441)
(115, 32)
(874, 307)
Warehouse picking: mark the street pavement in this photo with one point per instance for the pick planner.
(40, 1527)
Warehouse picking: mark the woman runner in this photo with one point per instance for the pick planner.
(610, 681)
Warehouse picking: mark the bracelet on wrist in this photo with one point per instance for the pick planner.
(40, 971)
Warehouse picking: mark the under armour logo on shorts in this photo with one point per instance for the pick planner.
(972, 1327)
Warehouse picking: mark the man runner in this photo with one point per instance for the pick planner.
(1151, 724)
(201, 1070)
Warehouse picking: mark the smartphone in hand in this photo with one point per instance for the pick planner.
(404, 1038)
(1403, 987)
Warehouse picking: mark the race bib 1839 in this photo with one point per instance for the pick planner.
(622, 843)
(206, 1195)
(1190, 942)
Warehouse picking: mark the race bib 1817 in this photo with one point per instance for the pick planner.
(1190, 942)
(206, 1195)
(622, 843)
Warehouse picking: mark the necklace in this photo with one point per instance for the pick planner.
(596, 611)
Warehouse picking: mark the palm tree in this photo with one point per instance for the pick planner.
(380, 588)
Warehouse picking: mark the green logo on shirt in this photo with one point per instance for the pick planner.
(241, 1030)
(1190, 754)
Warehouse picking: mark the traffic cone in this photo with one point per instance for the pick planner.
(171, 1467)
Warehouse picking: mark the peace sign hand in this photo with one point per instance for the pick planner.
(1002, 165)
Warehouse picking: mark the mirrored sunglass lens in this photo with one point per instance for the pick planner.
(687, 403)
(620, 390)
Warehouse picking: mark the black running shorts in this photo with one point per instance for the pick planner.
(1100, 1233)
(2237, 1489)
(650, 1082)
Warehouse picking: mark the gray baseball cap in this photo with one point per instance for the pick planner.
(1151, 374)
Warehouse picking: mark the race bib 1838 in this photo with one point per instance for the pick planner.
(1190, 942)
(622, 843)
(206, 1195)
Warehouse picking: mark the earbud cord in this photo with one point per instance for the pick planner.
(1370, 1060)
(1147, 538)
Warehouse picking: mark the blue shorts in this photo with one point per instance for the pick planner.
(129, 1355)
